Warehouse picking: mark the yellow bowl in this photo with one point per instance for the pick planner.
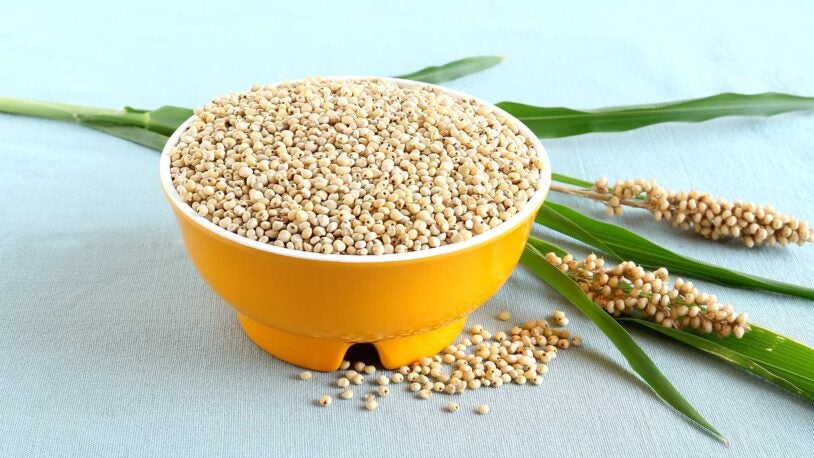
(308, 308)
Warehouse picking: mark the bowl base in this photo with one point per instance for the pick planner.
(327, 355)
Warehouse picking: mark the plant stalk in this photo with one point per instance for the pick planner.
(593, 195)
(51, 110)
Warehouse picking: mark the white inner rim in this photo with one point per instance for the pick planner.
(531, 206)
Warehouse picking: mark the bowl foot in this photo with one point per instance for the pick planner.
(327, 355)
(404, 350)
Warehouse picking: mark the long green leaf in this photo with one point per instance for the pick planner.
(143, 137)
(163, 120)
(571, 180)
(552, 217)
(544, 247)
(786, 369)
(774, 350)
(553, 122)
(625, 245)
(50, 110)
(453, 70)
(635, 356)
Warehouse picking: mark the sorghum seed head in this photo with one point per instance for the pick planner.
(628, 289)
(711, 218)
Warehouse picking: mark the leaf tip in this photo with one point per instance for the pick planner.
(724, 440)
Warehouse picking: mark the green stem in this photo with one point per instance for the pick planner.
(51, 110)
(163, 120)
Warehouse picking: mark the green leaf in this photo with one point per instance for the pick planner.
(553, 122)
(571, 180)
(164, 120)
(774, 350)
(544, 247)
(136, 135)
(551, 216)
(761, 351)
(624, 245)
(50, 110)
(167, 117)
(453, 70)
(534, 260)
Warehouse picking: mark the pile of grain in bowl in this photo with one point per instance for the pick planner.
(353, 167)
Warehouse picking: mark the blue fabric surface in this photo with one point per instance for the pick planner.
(111, 345)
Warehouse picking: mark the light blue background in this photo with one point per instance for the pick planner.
(110, 344)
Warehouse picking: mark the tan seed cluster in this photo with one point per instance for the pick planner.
(711, 218)
(353, 167)
(520, 355)
(628, 289)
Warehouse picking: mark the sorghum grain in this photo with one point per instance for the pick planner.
(360, 167)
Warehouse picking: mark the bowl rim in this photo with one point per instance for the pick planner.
(516, 220)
